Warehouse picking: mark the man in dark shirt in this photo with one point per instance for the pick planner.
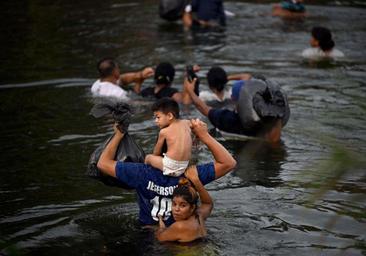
(155, 190)
(205, 13)
(229, 121)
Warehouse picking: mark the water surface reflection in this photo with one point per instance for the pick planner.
(48, 62)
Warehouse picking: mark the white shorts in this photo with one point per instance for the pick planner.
(172, 167)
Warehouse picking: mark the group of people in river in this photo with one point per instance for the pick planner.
(209, 13)
(168, 187)
(111, 82)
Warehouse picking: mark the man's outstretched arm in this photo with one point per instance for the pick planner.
(137, 78)
(224, 161)
(200, 104)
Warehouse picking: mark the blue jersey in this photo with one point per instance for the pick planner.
(154, 189)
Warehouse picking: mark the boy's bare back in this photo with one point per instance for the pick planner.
(179, 140)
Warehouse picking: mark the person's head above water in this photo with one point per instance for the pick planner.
(107, 67)
(185, 200)
(217, 78)
(166, 110)
(164, 73)
(322, 38)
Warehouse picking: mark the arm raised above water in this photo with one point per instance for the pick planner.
(206, 206)
(137, 78)
(200, 105)
(106, 162)
(224, 161)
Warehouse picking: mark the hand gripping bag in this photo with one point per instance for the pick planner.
(127, 150)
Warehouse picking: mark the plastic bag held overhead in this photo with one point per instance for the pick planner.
(127, 150)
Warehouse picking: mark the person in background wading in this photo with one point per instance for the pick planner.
(110, 80)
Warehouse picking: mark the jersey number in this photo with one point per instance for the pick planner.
(162, 206)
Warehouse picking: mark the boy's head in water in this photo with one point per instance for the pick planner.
(166, 111)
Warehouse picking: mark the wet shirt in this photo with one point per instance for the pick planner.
(154, 189)
(164, 92)
(108, 89)
(210, 96)
(228, 121)
(317, 53)
(209, 10)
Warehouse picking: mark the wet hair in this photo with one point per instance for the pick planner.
(217, 78)
(164, 73)
(166, 105)
(324, 36)
(106, 67)
(187, 191)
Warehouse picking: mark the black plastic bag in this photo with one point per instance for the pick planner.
(127, 150)
(272, 102)
(172, 10)
(121, 112)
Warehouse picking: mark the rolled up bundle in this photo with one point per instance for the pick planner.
(260, 100)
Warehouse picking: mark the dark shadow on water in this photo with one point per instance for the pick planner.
(292, 25)
(196, 36)
(119, 233)
(207, 37)
(322, 63)
(258, 162)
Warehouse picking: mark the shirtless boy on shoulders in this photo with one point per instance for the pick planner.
(176, 133)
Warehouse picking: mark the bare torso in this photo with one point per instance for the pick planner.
(179, 140)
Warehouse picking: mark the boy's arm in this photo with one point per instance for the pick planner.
(137, 78)
(224, 161)
(200, 105)
(159, 144)
(106, 162)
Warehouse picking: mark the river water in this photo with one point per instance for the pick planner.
(49, 52)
